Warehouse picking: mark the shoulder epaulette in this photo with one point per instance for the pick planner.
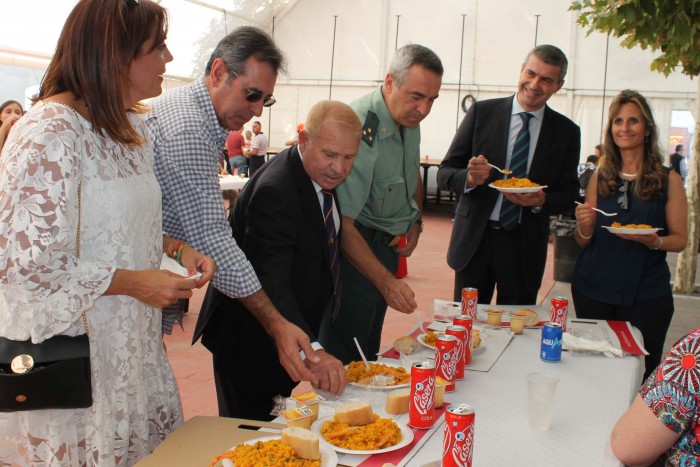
(369, 129)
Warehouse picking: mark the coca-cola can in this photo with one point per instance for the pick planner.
(559, 311)
(470, 299)
(460, 332)
(445, 361)
(458, 440)
(421, 409)
(468, 323)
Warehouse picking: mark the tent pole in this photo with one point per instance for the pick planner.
(537, 27)
(461, 58)
(330, 84)
(396, 40)
(269, 109)
(605, 85)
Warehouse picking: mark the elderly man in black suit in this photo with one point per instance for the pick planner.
(501, 239)
(287, 222)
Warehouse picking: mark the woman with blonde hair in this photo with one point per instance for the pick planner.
(81, 241)
(624, 276)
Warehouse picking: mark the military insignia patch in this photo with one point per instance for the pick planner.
(369, 129)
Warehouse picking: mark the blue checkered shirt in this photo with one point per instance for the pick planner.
(187, 141)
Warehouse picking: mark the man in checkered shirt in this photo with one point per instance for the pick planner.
(188, 127)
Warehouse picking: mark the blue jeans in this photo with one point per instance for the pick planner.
(240, 163)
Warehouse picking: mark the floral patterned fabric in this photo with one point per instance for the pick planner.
(44, 287)
(672, 392)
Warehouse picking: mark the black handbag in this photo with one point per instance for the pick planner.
(54, 374)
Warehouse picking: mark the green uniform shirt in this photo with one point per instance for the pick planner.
(379, 191)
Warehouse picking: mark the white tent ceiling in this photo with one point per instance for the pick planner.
(341, 48)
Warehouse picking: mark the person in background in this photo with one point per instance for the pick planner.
(295, 140)
(258, 149)
(598, 151)
(500, 240)
(677, 159)
(381, 200)
(585, 171)
(234, 150)
(662, 427)
(279, 223)
(10, 112)
(188, 126)
(93, 241)
(624, 276)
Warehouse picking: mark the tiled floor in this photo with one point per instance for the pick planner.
(429, 277)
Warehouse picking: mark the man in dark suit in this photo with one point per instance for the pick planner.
(508, 249)
(286, 221)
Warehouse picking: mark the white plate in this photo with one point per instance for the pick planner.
(476, 351)
(518, 190)
(406, 438)
(328, 456)
(622, 230)
(373, 386)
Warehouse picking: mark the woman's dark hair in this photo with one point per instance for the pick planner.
(97, 45)
(652, 177)
(8, 103)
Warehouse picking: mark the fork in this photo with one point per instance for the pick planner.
(506, 172)
(609, 214)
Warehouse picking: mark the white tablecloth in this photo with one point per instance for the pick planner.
(592, 394)
(232, 182)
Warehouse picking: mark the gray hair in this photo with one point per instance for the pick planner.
(413, 54)
(552, 56)
(245, 42)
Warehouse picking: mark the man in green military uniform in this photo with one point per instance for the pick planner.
(381, 200)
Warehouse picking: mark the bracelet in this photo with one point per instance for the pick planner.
(173, 253)
(179, 252)
(581, 235)
(661, 243)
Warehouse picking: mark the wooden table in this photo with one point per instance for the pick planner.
(426, 165)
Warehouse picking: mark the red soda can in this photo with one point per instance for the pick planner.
(468, 323)
(421, 410)
(458, 440)
(470, 299)
(460, 332)
(559, 311)
(445, 361)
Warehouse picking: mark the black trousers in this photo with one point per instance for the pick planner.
(497, 263)
(652, 317)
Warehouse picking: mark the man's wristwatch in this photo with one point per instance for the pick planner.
(536, 209)
(420, 224)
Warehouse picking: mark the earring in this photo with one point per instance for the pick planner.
(646, 139)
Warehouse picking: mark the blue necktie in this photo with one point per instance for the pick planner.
(510, 213)
(332, 250)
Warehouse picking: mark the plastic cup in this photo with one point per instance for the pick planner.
(517, 324)
(439, 393)
(494, 317)
(541, 388)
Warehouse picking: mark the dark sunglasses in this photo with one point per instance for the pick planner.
(254, 95)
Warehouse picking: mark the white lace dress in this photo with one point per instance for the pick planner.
(44, 287)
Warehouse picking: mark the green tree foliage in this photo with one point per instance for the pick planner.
(669, 26)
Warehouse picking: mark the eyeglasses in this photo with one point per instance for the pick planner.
(254, 95)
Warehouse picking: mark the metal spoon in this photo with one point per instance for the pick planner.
(609, 214)
(503, 171)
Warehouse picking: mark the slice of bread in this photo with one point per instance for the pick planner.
(354, 413)
(406, 344)
(397, 401)
(304, 442)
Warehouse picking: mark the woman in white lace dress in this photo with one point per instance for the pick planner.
(85, 131)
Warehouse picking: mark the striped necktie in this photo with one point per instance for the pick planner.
(510, 212)
(332, 250)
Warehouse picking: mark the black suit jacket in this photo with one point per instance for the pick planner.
(484, 130)
(278, 223)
